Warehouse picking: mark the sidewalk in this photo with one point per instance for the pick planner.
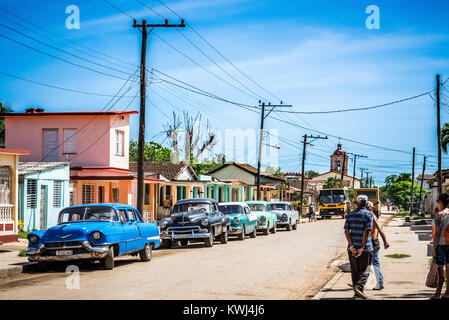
(403, 278)
(10, 262)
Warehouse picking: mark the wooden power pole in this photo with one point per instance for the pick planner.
(413, 182)
(259, 158)
(440, 179)
(304, 145)
(422, 181)
(143, 27)
(353, 172)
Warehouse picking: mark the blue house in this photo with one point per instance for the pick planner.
(43, 192)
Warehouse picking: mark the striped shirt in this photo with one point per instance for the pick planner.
(358, 221)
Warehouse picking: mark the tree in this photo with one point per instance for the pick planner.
(333, 182)
(399, 193)
(196, 142)
(3, 109)
(386, 192)
(208, 165)
(153, 152)
(310, 174)
(444, 137)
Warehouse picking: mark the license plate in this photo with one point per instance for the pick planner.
(64, 252)
(183, 235)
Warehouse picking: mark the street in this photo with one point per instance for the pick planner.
(285, 265)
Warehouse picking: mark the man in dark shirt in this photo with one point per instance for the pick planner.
(357, 231)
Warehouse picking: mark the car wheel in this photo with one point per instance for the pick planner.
(289, 226)
(295, 225)
(243, 234)
(109, 260)
(273, 230)
(267, 230)
(209, 242)
(254, 233)
(145, 253)
(184, 243)
(224, 236)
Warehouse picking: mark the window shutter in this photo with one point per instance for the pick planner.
(119, 143)
(88, 195)
(57, 194)
(70, 141)
(31, 194)
(51, 146)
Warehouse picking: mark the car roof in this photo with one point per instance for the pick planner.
(209, 200)
(114, 205)
(257, 201)
(233, 203)
(281, 202)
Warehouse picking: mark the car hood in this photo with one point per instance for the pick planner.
(279, 213)
(76, 231)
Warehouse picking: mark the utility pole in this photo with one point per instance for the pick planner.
(361, 177)
(141, 143)
(440, 179)
(355, 159)
(422, 181)
(413, 182)
(305, 143)
(343, 169)
(262, 118)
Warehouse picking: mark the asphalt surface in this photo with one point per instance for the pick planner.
(285, 265)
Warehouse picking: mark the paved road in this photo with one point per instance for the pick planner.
(285, 265)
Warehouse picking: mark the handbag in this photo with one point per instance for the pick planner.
(433, 276)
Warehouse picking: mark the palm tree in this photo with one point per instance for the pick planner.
(3, 109)
(445, 137)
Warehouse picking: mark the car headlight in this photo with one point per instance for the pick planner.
(204, 222)
(96, 235)
(262, 219)
(33, 238)
(164, 224)
(284, 216)
(236, 221)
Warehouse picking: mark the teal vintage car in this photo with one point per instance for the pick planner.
(243, 220)
(266, 219)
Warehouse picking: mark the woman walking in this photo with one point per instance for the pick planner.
(375, 231)
(440, 252)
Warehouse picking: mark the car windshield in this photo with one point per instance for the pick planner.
(257, 206)
(332, 196)
(187, 207)
(369, 194)
(87, 213)
(279, 206)
(231, 208)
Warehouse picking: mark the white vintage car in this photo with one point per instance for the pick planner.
(287, 216)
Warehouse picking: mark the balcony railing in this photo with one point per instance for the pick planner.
(6, 212)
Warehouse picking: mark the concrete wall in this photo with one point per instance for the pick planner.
(233, 173)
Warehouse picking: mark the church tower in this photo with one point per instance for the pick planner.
(337, 161)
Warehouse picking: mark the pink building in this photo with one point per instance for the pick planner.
(95, 143)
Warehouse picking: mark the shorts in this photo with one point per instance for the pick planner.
(442, 255)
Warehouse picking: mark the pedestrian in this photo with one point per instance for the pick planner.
(312, 216)
(440, 252)
(358, 227)
(388, 206)
(167, 204)
(376, 246)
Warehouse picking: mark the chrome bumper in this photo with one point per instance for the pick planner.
(261, 227)
(194, 233)
(235, 230)
(283, 223)
(94, 252)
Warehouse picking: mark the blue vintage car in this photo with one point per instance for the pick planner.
(94, 232)
(243, 220)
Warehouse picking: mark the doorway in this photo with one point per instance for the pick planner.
(43, 208)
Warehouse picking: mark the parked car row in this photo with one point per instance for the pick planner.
(105, 231)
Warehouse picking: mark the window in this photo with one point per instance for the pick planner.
(88, 194)
(51, 146)
(115, 195)
(57, 194)
(31, 194)
(70, 141)
(119, 139)
(5, 185)
(147, 194)
(123, 215)
(101, 194)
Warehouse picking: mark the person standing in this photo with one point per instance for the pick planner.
(167, 204)
(357, 227)
(312, 216)
(440, 252)
(376, 246)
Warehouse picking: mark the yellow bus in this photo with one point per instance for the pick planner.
(334, 202)
(373, 195)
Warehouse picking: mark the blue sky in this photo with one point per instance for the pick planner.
(315, 55)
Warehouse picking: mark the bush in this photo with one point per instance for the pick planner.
(23, 234)
(22, 253)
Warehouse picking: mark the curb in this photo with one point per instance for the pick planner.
(12, 271)
(328, 286)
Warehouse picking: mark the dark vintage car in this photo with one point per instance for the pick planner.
(195, 220)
